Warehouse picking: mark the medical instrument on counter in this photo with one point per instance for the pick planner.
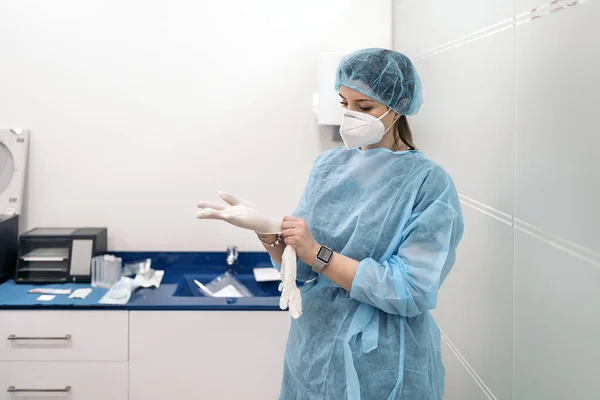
(57, 255)
(106, 271)
(49, 291)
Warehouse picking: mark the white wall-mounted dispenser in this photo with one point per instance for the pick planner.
(326, 102)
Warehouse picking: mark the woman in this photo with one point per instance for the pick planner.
(392, 220)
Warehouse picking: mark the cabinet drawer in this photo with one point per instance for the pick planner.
(64, 380)
(48, 335)
(211, 355)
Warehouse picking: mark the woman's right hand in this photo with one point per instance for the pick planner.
(239, 213)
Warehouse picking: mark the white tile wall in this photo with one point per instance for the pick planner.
(467, 118)
(557, 323)
(476, 300)
(459, 383)
(425, 24)
(558, 178)
(513, 116)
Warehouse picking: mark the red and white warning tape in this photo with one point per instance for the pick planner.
(554, 6)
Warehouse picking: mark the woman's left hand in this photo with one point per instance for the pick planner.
(296, 233)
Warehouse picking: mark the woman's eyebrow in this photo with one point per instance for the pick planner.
(358, 101)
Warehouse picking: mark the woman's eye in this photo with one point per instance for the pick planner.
(365, 109)
(343, 104)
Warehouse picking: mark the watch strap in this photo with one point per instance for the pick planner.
(318, 266)
(320, 263)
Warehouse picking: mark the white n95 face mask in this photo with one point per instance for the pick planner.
(360, 129)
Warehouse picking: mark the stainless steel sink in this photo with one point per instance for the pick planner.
(186, 286)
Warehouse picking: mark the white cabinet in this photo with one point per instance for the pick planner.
(68, 380)
(47, 335)
(78, 355)
(208, 354)
(142, 355)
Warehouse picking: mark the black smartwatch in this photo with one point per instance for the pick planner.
(323, 257)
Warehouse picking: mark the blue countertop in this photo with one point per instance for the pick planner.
(175, 291)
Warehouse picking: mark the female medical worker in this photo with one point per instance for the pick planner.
(376, 232)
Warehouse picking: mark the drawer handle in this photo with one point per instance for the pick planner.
(14, 337)
(12, 389)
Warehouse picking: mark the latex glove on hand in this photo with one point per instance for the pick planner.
(244, 215)
(239, 213)
(290, 294)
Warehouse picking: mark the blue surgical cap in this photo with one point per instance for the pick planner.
(386, 76)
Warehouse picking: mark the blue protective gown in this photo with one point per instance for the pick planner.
(397, 213)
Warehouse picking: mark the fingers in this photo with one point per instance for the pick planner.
(206, 204)
(291, 229)
(290, 232)
(288, 225)
(209, 213)
(292, 240)
(292, 222)
(230, 199)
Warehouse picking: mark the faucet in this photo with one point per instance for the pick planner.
(232, 256)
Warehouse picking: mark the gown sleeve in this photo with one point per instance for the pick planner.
(407, 283)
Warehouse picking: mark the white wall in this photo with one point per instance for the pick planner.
(140, 108)
(511, 111)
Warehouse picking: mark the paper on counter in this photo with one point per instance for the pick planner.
(80, 293)
(266, 274)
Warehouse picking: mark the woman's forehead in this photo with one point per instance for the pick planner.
(350, 94)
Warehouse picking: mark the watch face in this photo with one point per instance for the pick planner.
(324, 254)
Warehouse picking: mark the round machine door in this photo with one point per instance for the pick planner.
(14, 150)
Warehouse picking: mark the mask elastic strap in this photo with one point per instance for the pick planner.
(386, 113)
(392, 124)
